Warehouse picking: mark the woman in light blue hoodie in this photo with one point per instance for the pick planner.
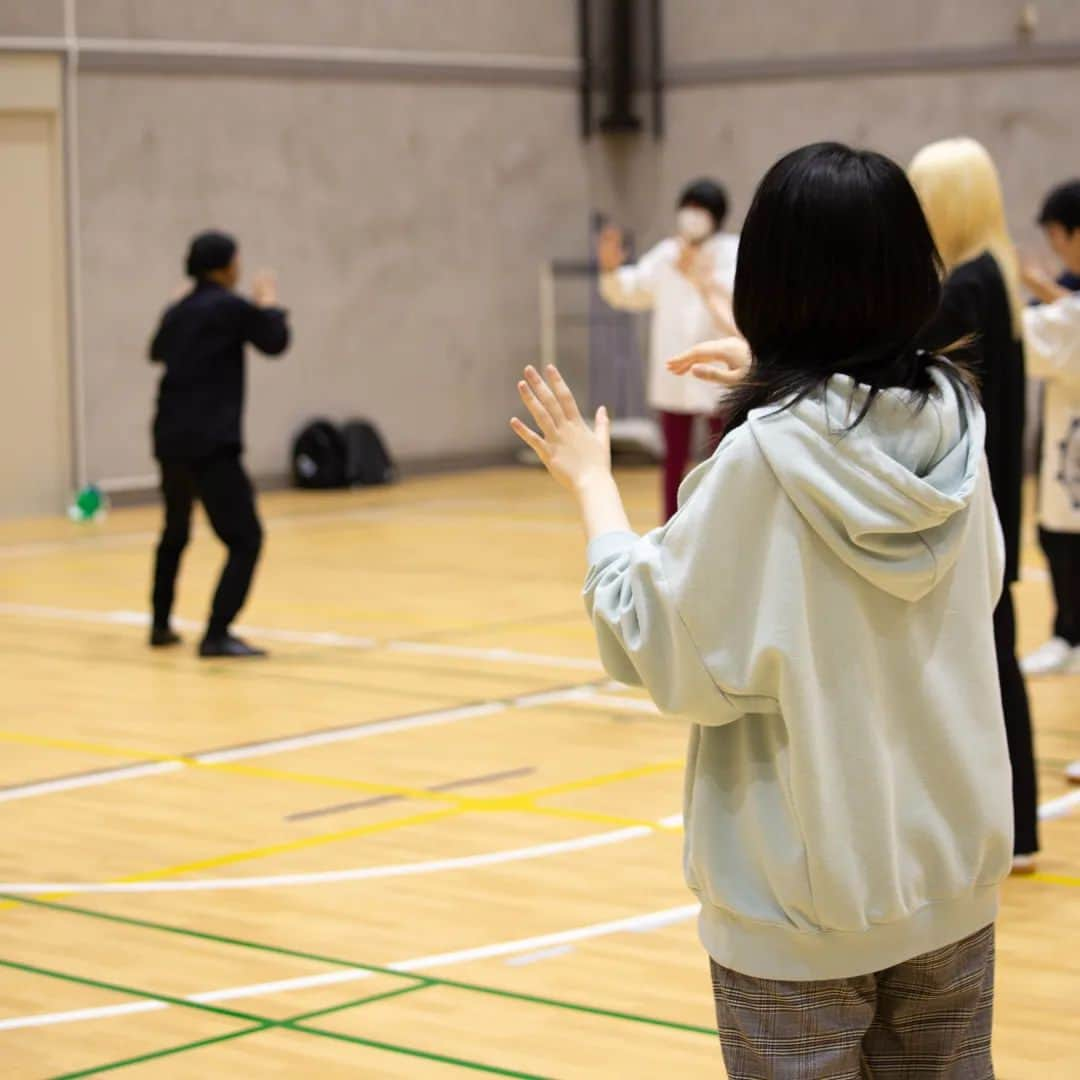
(820, 611)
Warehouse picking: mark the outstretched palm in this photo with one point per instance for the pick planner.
(571, 450)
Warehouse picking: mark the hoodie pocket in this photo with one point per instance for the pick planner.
(745, 849)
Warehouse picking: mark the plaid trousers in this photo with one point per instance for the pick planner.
(929, 1017)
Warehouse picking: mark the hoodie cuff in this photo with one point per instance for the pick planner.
(608, 545)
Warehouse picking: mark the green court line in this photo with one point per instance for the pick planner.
(127, 991)
(511, 995)
(258, 1023)
(304, 1017)
(153, 1055)
(411, 1051)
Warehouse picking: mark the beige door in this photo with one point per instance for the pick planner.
(35, 444)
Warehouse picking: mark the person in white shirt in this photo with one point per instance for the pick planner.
(686, 281)
(1052, 339)
(1052, 333)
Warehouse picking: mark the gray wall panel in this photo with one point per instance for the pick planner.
(737, 131)
(698, 31)
(406, 222)
(32, 17)
(527, 27)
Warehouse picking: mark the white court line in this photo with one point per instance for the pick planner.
(311, 637)
(405, 511)
(623, 704)
(468, 652)
(352, 733)
(635, 923)
(543, 954)
(1060, 806)
(73, 783)
(303, 982)
(364, 873)
(102, 1012)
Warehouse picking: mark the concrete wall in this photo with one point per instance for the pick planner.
(753, 81)
(405, 181)
(406, 224)
(523, 27)
(700, 31)
(406, 164)
(31, 17)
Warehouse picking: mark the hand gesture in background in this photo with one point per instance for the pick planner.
(610, 249)
(1039, 283)
(695, 265)
(725, 361)
(264, 289)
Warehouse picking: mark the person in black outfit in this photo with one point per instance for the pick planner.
(197, 431)
(958, 185)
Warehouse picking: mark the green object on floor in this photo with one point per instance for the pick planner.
(91, 504)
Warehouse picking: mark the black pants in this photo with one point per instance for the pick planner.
(1062, 551)
(229, 500)
(1014, 700)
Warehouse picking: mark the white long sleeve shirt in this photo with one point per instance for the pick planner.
(680, 319)
(1052, 340)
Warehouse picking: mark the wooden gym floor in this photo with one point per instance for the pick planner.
(426, 837)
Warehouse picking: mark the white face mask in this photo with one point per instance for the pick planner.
(694, 224)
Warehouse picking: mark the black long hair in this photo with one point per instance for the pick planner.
(837, 273)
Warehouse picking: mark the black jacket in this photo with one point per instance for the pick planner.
(976, 302)
(201, 342)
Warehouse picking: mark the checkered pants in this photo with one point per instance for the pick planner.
(928, 1017)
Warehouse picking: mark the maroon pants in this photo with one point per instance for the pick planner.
(678, 429)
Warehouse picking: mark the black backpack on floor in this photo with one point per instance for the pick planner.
(318, 457)
(367, 461)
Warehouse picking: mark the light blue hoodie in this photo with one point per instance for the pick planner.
(820, 609)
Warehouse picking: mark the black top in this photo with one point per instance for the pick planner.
(1069, 280)
(975, 301)
(201, 343)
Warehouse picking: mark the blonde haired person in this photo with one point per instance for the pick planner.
(958, 185)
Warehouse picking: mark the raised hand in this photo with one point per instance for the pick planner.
(725, 361)
(264, 289)
(572, 451)
(1039, 283)
(695, 265)
(610, 249)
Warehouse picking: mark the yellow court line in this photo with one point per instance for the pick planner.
(287, 846)
(590, 815)
(606, 778)
(1054, 879)
(521, 801)
(524, 802)
(50, 742)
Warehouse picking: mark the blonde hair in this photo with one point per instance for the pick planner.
(960, 191)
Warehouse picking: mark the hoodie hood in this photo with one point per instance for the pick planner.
(890, 497)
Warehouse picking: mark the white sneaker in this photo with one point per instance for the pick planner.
(1052, 658)
(1072, 772)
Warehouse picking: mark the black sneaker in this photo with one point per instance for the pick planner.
(162, 636)
(225, 645)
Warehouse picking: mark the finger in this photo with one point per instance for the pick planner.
(544, 393)
(530, 438)
(563, 394)
(680, 365)
(602, 424)
(536, 408)
(717, 373)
